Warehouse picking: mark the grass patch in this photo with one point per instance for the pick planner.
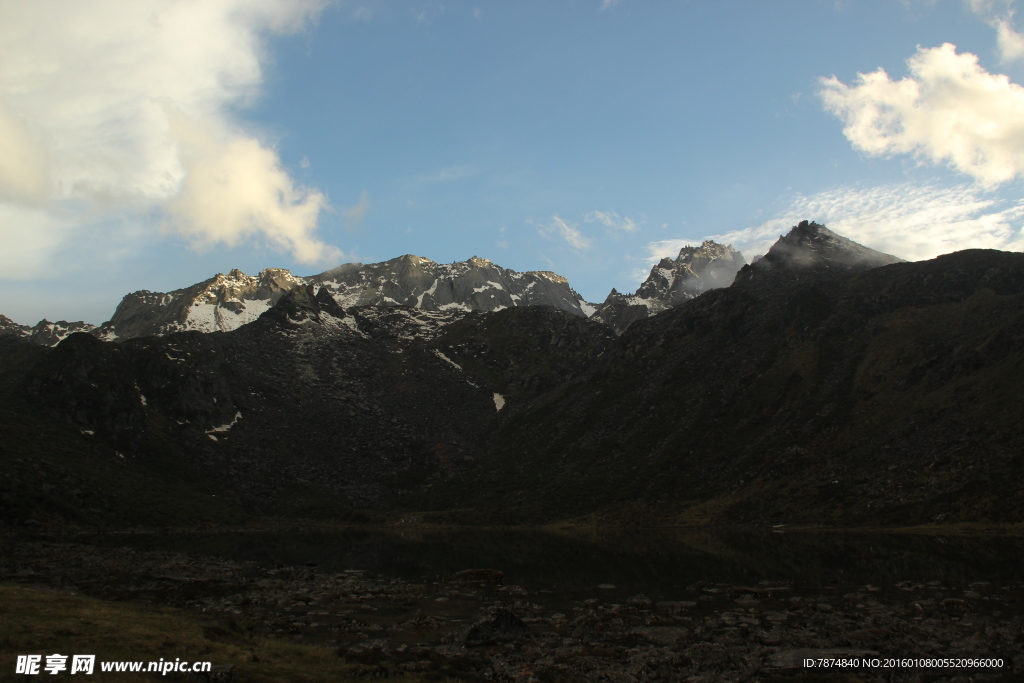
(44, 621)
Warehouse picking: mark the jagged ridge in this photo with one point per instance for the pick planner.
(694, 271)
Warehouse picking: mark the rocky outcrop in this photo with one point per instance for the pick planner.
(473, 285)
(694, 271)
(222, 303)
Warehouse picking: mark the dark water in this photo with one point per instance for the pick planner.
(660, 563)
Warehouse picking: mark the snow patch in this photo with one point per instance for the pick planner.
(486, 286)
(499, 401)
(447, 360)
(225, 427)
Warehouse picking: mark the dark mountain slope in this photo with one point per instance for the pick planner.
(886, 396)
(309, 410)
(821, 388)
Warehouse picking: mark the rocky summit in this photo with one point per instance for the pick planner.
(694, 271)
(227, 302)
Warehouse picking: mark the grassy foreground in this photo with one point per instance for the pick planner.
(45, 621)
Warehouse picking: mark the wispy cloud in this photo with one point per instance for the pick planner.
(559, 227)
(609, 4)
(999, 15)
(447, 174)
(362, 13)
(426, 12)
(948, 110)
(910, 221)
(612, 220)
(127, 105)
(355, 214)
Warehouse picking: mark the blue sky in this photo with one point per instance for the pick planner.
(149, 144)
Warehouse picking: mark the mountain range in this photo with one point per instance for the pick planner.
(828, 384)
(227, 301)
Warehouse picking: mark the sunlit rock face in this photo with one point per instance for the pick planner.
(222, 303)
(472, 285)
(227, 301)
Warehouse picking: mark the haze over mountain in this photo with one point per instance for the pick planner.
(829, 384)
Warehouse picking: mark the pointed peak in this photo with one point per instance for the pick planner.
(812, 245)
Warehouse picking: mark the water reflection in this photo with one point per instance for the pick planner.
(658, 562)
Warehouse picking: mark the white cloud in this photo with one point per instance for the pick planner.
(234, 189)
(1009, 41)
(610, 219)
(362, 13)
(126, 105)
(999, 15)
(948, 110)
(909, 221)
(608, 4)
(559, 227)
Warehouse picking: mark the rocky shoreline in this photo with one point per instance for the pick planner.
(471, 625)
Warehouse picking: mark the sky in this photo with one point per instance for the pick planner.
(150, 144)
